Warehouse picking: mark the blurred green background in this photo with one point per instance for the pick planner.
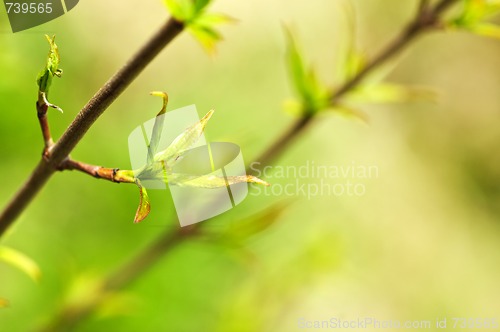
(422, 243)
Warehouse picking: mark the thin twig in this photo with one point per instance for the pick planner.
(133, 269)
(281, 144)
(85, 119)
(110, 174)
(41, 108)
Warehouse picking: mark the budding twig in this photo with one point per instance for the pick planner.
(85, 119)
(110, 174)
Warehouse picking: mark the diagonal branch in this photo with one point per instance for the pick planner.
(85, 119)
(144, 260)
(423, 22)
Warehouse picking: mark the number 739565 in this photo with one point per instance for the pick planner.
(28, 7)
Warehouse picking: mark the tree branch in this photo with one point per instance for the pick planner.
(423, 21)
(133, 269)
(84, 120)
(423, 6)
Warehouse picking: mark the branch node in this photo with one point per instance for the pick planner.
(113, 178)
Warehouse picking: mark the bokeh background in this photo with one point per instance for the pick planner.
(422, 243)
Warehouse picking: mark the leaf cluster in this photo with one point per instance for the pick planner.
(201, 24)
(474, 18)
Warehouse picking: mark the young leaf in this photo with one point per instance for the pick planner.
(478, 10)
(355, 62)
(256, 223)
(211, 20)
(212, 181)
(200, 24)
(157, 127)
(486, 30)
(314, 96)
(390, 93)
(163, 162)
(474, 13)
(181, 10)
(203, 28)
(51, 69)
(351, 60)
(293, 107)
(144, 204)
(186, 11)
(297, 67)
(206, 36)
(20, 261)
(199, 5)
(183, 142)
(350, 112)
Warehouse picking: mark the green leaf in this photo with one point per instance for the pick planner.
(474, 12)
(51, 69)
(314, 96)
(350, 112)
(242, 229)
(200, 5)
(206, 36)
(232, 240)
(473, 18)
(181, 10)
(186, 10)
(163, 161)
(20, 261)
(203, 28)
(486, 30)
(211, 181)
(211, 20)
(144, 204)
(200, 24)
(355, 62)
(183, 142)
(390, 93)
(297, 67)
(157, 127)
(293, 107)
